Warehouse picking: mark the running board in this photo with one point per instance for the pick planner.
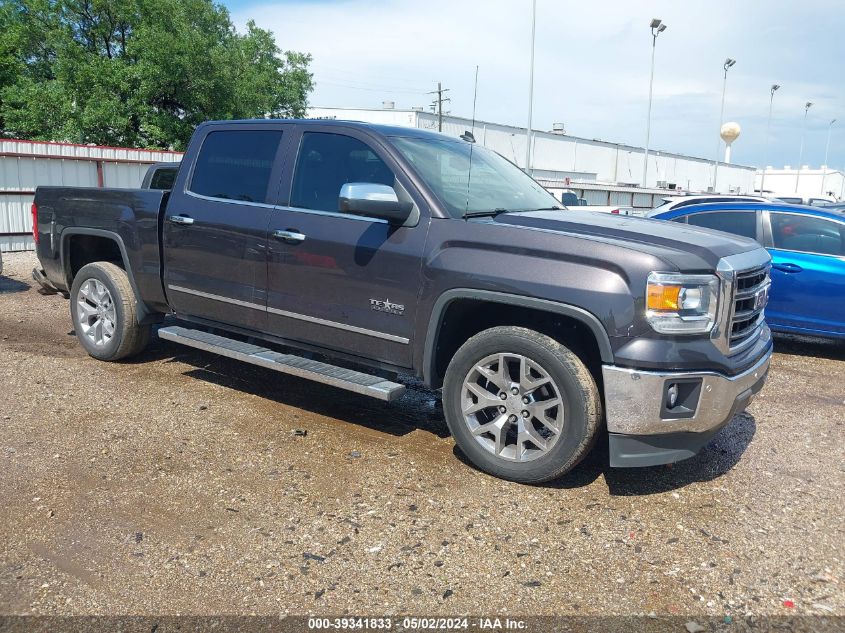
(359, 382)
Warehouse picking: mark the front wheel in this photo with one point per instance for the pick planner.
(102, 306)
(520, 405)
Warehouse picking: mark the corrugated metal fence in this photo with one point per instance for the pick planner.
(25, 165)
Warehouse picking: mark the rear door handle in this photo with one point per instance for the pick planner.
(292, 236)
(788, 267)
(181, 219)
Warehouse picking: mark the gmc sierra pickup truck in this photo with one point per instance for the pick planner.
(353, 255)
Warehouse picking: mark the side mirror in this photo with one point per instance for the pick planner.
(377, 201)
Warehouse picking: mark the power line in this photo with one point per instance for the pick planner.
(321, 69)
(382, 90)
(332, 78)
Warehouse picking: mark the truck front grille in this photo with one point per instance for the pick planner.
(749, 303)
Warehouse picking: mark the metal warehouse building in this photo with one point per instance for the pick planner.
(557, 156)
(25, 165)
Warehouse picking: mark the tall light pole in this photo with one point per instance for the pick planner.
(728, 63)
(657, 27)
(530, 91)
(775, 88)
(807, 107)
(826, 151)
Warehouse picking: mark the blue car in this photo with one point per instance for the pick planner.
(807, 245)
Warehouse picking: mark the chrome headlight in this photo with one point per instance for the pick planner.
(681, 304)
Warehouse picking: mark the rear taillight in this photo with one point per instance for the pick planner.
(615, 211)
(35, 222)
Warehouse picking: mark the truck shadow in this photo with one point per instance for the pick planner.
(798, 345)
(715, 459)
(8, 285)
(419, 408)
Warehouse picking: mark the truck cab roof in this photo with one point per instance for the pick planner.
(384, 130)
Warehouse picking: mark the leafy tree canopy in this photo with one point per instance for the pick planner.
(138, 73)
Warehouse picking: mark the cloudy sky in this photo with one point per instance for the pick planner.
(591, 65)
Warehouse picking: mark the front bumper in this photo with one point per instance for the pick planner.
(644, 433)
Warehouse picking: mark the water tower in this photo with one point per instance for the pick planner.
(729, 133)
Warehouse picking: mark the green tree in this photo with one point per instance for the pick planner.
(138, 72)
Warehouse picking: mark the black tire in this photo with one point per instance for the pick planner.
(582, 409)
(129, 338)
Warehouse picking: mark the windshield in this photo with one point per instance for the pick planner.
(492, 185)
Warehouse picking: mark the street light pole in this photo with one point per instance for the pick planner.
(728, 63)
(807, 107)
(775, 88)
(826, 151)
(657, 27)
(530, 91)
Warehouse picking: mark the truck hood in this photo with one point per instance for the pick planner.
(687, 247)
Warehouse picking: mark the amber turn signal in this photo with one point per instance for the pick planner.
(663, 298)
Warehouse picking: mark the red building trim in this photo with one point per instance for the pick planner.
(135, 161)
(129, 149)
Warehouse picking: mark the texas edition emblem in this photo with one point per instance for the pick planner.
(386, 306)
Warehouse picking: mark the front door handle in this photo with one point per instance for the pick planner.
(788, 267)
(291, 236)
(181, 219)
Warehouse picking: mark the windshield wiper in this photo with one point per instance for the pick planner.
(495, 212)
(488, 212)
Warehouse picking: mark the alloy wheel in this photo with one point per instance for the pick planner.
(512, 406)
(95, 312)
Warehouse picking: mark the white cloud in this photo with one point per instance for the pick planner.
(592, 64)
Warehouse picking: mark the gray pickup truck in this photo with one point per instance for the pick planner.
(353, 255)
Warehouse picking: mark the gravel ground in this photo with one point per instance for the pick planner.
(180, 482)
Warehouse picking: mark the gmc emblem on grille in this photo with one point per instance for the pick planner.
(761, 298)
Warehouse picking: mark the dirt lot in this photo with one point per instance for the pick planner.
(178, 483)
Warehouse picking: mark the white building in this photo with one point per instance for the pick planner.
(557, 156)
(803, 183)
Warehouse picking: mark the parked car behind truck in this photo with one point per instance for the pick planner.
(358, 253)
(807, 245)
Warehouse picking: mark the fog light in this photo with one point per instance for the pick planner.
(672, 396)
(680, 398)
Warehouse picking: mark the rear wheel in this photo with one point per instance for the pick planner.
(520, 405)
(102, 306)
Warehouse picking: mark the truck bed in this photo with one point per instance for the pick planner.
(129, 216)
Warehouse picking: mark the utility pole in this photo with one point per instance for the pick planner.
(728, 63)
(530, 90)
(826, 152)
(438, 104)
(775, 88)
(807, 107)
(657, 27)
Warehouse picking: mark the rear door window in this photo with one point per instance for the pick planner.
(236, 164)
(742, 223)
(807, 234)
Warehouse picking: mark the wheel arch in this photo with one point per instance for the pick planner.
(106, 241)
(442, 336)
